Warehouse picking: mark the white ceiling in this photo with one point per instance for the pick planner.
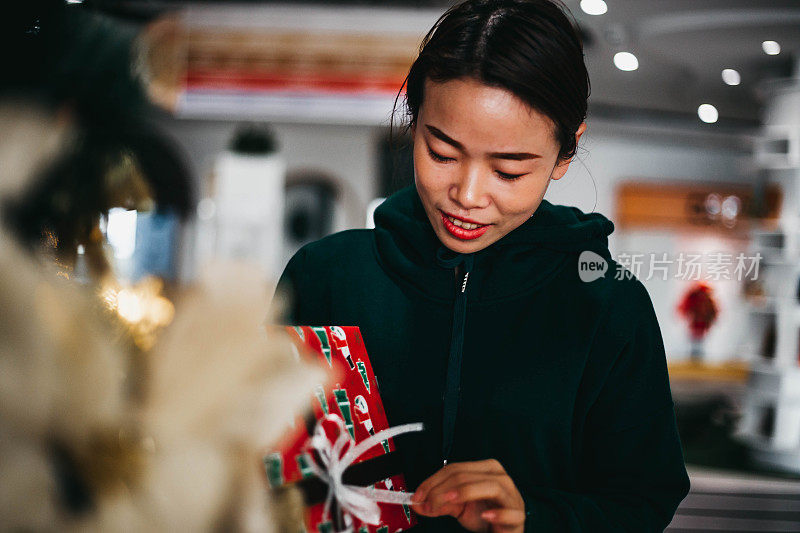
(682, 47)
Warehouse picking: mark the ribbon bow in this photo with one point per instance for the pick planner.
(360, 502)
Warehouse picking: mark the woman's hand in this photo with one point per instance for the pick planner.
(479, 494)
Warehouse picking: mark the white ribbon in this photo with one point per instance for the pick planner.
(360, 502)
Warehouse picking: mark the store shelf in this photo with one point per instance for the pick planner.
(731, 371)
(723, 480)
(371, 110)
(728, 500)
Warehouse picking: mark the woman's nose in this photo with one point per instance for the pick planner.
(470, 189)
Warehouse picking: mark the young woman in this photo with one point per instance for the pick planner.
(545, 395)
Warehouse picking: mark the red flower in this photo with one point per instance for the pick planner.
(699, 308)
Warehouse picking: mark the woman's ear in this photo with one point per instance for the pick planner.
(561, 168)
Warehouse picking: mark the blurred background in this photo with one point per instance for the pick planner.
(277, 117)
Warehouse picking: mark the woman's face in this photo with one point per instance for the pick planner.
(481, 156)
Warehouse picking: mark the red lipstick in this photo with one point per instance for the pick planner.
(464, 219)
(461, 233)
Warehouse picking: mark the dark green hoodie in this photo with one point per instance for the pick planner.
(507, 354)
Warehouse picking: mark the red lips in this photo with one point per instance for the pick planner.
(464, 219)
(461, 233)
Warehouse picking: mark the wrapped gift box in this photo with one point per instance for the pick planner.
(354, 397)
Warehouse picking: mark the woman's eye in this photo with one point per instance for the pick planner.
(509, 176)
(438, 157)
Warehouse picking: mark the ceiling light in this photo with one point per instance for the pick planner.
(771, 48)
(731, 207)
(731, 77)
(713, 204)
(626, 61)
(594, 7)
(707, 113)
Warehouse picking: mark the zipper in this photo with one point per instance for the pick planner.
(453, 383)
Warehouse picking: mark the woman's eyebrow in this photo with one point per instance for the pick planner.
(515, 156)
(439, 134)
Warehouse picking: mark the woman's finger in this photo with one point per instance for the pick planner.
(451, 490)
(488, 489)
(505, 518)
(426, 509)
(487, 466)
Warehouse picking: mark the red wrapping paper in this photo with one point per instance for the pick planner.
(353, 396)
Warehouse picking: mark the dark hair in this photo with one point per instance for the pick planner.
(528, 47)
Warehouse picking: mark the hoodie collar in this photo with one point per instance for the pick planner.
(522, 260)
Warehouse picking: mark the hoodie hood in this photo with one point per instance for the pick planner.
(524, 259)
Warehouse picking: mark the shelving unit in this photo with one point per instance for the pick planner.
(770, 425)
(296, 64)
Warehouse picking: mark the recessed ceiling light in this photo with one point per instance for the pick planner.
(594, 7)
(626, 61)
(731, 77)
(771, 48)
(708, 113)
